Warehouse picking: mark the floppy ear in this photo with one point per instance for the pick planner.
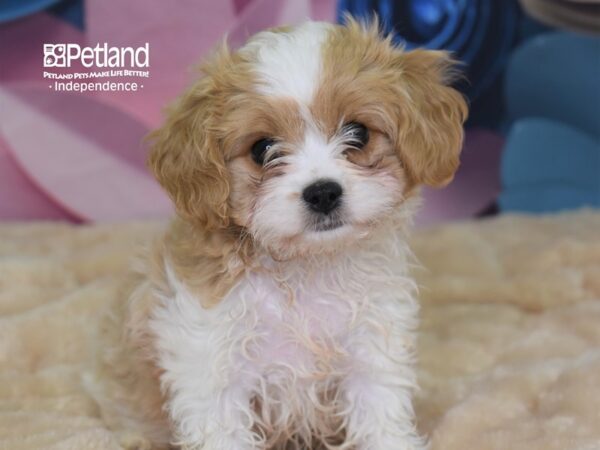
(431, 133)
(187, 160)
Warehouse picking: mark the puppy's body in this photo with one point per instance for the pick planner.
(277, 311)
(295, 350)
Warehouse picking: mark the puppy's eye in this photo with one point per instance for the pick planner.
(260, 149)
(357, 134)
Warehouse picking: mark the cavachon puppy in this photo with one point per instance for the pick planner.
(277, 311)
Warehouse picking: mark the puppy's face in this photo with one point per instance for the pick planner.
(307, 138)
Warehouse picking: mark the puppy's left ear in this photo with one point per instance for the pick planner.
(431, 128)
(186, 157)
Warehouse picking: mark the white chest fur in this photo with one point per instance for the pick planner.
(288, 346)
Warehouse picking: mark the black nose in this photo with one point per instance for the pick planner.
(323, 196)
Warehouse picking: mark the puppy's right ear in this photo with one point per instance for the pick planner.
(187, 160)
(433, 120)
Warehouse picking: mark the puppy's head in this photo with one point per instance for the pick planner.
(307, 138)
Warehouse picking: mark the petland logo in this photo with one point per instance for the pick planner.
(98, 68)
(100, 56)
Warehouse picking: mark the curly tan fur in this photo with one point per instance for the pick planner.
(404, 95)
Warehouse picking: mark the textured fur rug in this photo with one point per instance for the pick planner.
(509, 354)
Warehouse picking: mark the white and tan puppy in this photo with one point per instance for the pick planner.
(277, 311)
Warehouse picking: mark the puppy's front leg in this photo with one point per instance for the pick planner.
(207, 397)
(215, 422)
(377, 394)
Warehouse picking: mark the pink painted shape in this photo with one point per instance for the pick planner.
(323, 10)
(240, 5)
(99, 122)
(476, 185)
(179, 33)
(86, 178)
(258, 15)
(261, 14)
(20, 199)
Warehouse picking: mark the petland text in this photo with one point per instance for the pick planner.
(101, 55)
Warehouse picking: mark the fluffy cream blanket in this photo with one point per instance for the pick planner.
(509, 354)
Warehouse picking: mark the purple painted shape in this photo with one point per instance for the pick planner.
(20, 199)
(476, 185)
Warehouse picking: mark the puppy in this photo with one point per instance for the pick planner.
(277, 310)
